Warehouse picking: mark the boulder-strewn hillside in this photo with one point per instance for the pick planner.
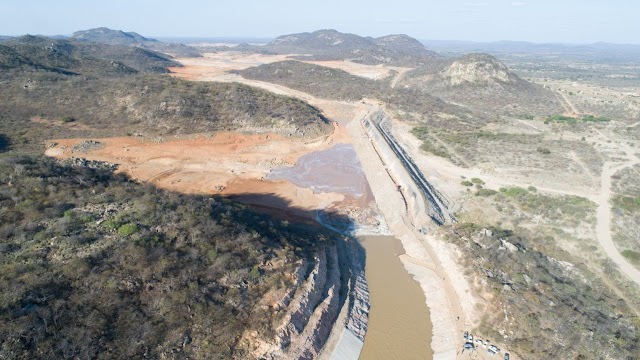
(482, 83)
(108, 36)
(36, 53)
(333, 45)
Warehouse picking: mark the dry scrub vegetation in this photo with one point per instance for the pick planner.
(536, 155)
(549, 291)
(626, 211)
(337, 84)
(154, 105)
(94, 265)
(542, 301)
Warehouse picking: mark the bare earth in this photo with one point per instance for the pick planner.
(214, 64)
(186, 165)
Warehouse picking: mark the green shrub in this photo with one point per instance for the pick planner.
(466, 183)
(632, 256)
(627, 203)
(254, 274)
(543, 150)
(486, 192)
(111, 224)
(514, 191)
(68, 119)
(532, 188)
(562, 118)
(477, 181)
(591, 118)
(127, 229)
(212, 255)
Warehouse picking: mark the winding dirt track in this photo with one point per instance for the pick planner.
(604, 221)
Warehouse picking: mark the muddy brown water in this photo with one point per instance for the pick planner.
(399, 323)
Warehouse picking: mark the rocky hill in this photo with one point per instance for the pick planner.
(318, 80)
(404, 44)
(147, 105)
(333, 45)
(112, 37)
(329, 83)
(37, 53)
(108, 36)
(481, 82)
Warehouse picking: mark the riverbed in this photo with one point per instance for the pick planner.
(399, 323)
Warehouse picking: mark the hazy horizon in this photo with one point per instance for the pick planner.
(544, 21)
(257, 39)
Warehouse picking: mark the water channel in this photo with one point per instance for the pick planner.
(399, 323)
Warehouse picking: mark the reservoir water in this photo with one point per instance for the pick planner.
(399, 323)
(336, 169)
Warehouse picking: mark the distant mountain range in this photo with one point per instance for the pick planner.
(108, 36)
(399, 50)
(595, 51)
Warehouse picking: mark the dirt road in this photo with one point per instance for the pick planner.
(566, 104)
(604, 221)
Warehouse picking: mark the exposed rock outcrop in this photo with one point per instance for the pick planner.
(478, 69)
(328, 295)
(310, 313)
(481, 82)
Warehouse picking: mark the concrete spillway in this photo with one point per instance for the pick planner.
(425, 204)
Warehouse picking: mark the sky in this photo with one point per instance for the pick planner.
(565, 21)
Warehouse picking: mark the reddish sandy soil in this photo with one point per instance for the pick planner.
(219, 63)
(224, 163)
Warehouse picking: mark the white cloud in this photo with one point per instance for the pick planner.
(519, 3)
